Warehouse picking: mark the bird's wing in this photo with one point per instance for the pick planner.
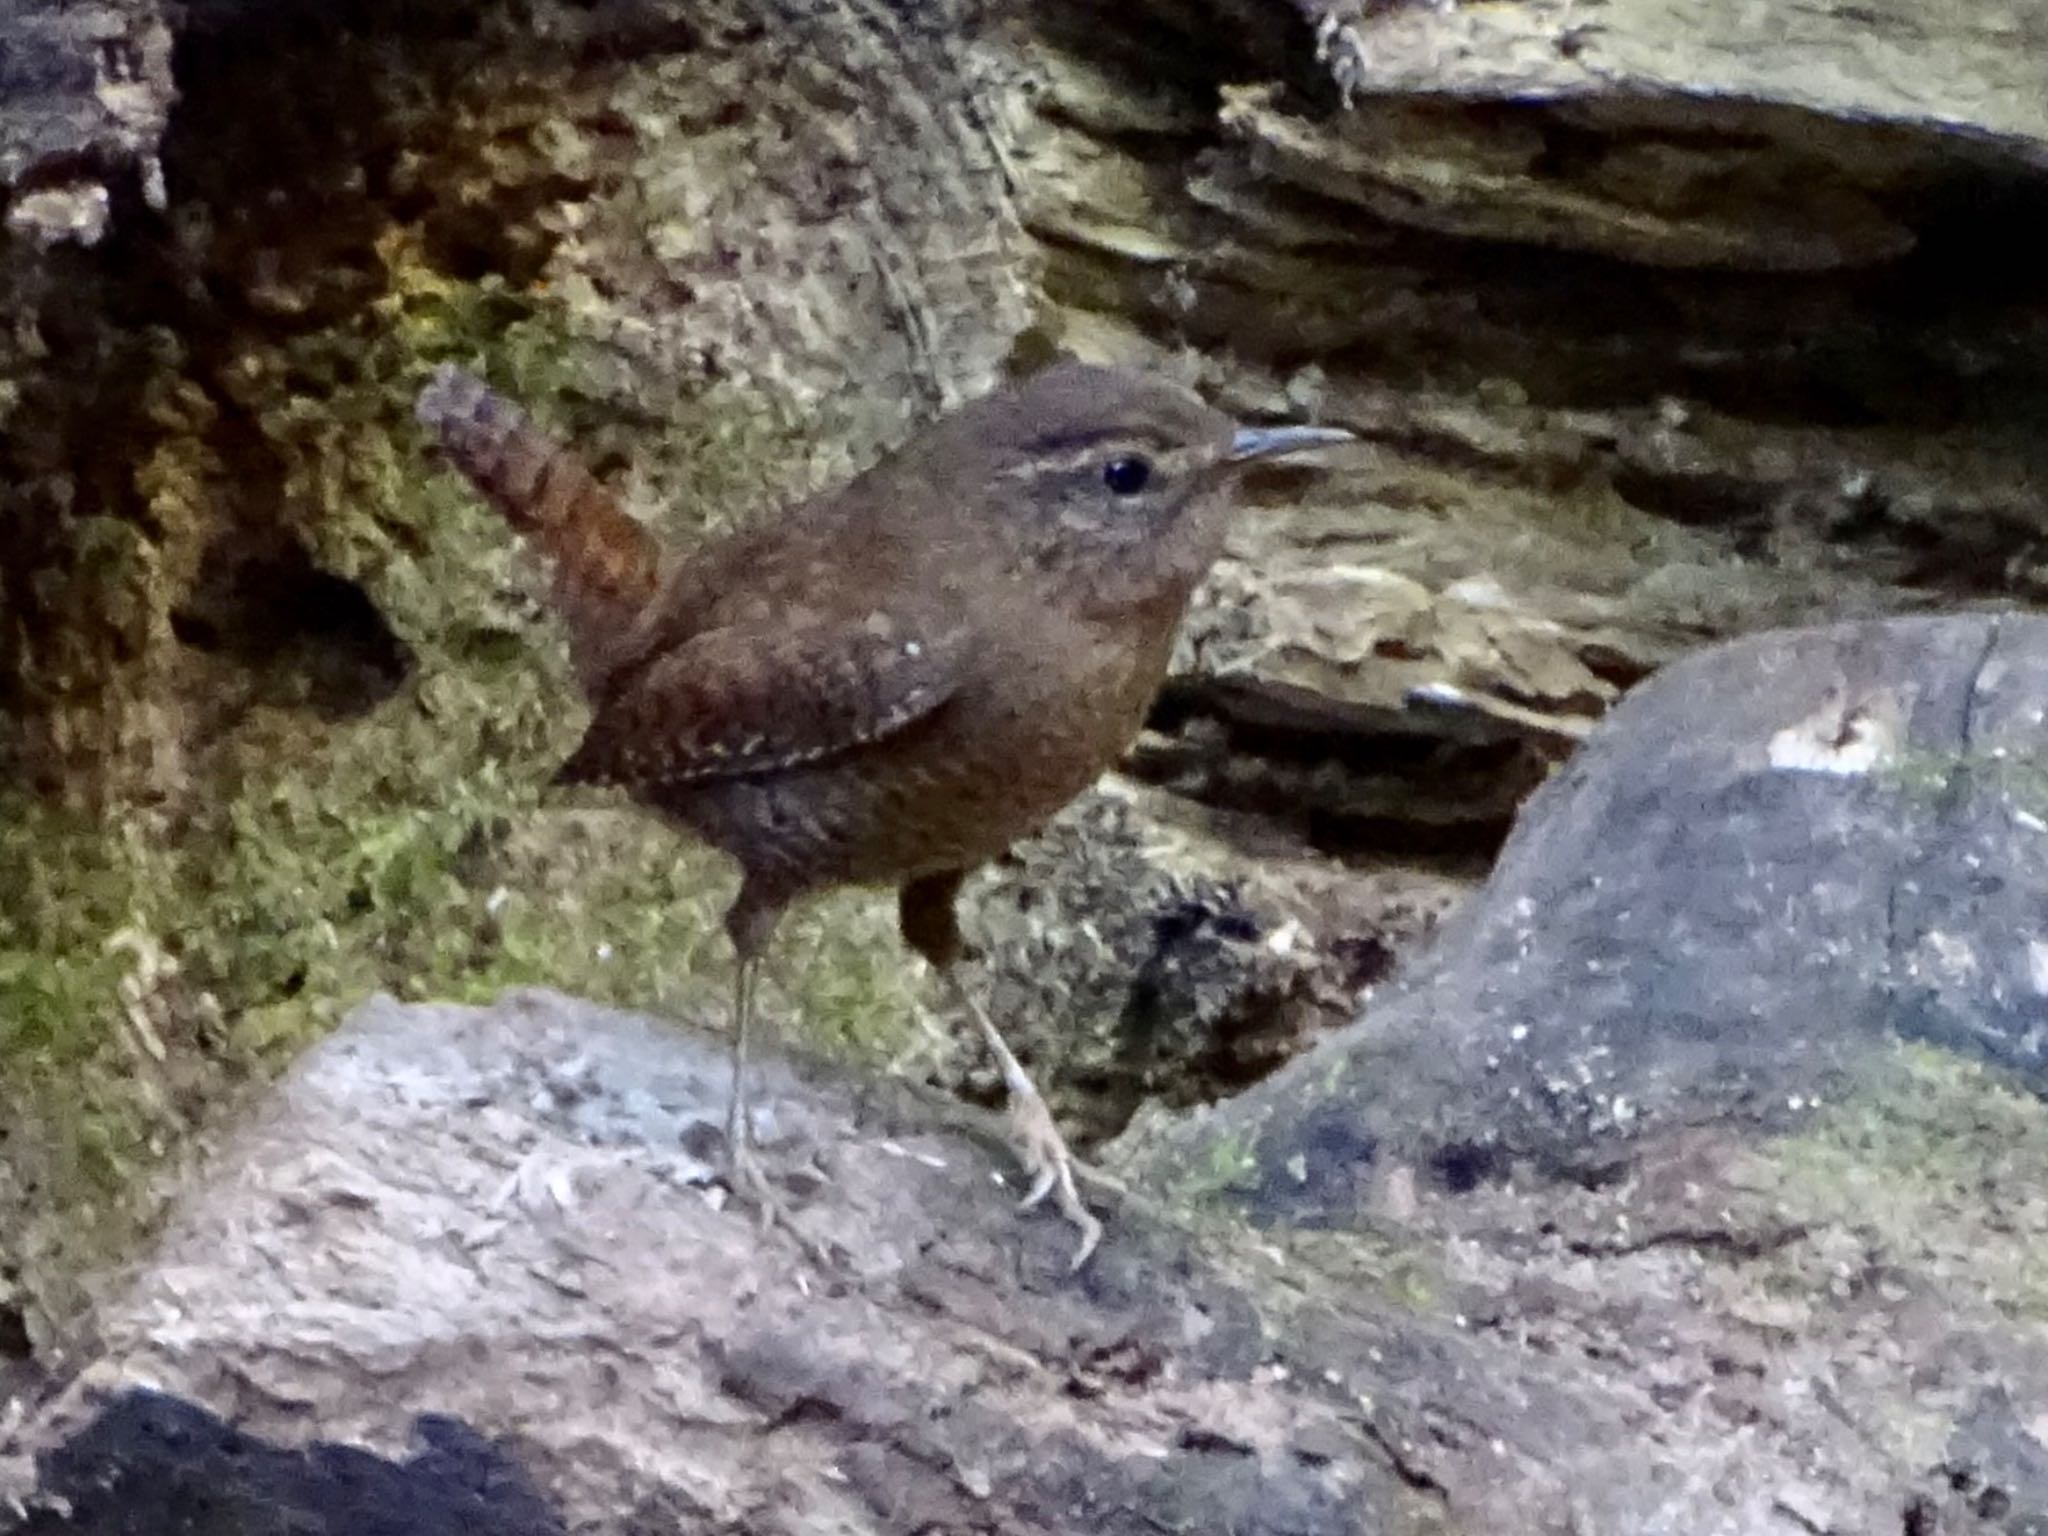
(755, 699)
(770, 567)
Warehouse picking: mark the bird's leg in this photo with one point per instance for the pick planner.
(743, 1175)
(930, 925)
(739, 1125)
(1040, 1146)
(750, 924)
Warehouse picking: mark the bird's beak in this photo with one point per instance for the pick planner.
(1272, 442)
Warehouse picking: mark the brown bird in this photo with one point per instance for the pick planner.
(893, 682)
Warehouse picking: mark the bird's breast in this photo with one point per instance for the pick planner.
(1055, 714)
(1040, 711)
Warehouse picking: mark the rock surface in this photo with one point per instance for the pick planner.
(1664, 321)
(476, 1252)
(1780, 853)
(496, 1216)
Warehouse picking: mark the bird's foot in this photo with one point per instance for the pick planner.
(748, 1183)
(1050, 1165)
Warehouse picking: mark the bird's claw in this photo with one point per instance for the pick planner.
(1050, 1165)
(1041, 1186)
(748, 1181)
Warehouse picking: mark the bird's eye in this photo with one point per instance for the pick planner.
(1126, 477)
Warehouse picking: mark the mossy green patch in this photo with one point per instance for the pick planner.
(1399, 1268)
(1924, 777)
(1209, 1197)
(1941, 1164)
(160, 955)
(1228, 1165)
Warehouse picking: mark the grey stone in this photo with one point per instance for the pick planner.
(1771, 858)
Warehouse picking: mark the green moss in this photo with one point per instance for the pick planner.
(1941, 1165)
(1230, 1165)
(78, 1118)
(1923, 776)
(1396, 1267)
(289, 860)
(411, 849)
(1284, 1266)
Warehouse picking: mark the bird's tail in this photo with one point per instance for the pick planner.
(606, 566)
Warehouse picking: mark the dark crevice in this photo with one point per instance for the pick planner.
(302, 137)
(15, 1343)
(1613, 667)
(1953, 557)
(1692, 500)
(315, 639)
(1179, 49)
(1465, 848)
(1740, 1246)
(1966, 726)
(1361, 797)
(806, 1411)
(1591, 1173)
(152, 1462)
(1462, 1167)
(1405, 1467)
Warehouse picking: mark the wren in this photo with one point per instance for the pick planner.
(892, 682)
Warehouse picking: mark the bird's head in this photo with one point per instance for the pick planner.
(1122, 478)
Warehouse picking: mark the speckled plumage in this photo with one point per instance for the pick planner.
(892, 683)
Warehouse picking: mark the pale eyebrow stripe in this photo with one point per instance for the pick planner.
(1171, 460)
(1082, 437)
